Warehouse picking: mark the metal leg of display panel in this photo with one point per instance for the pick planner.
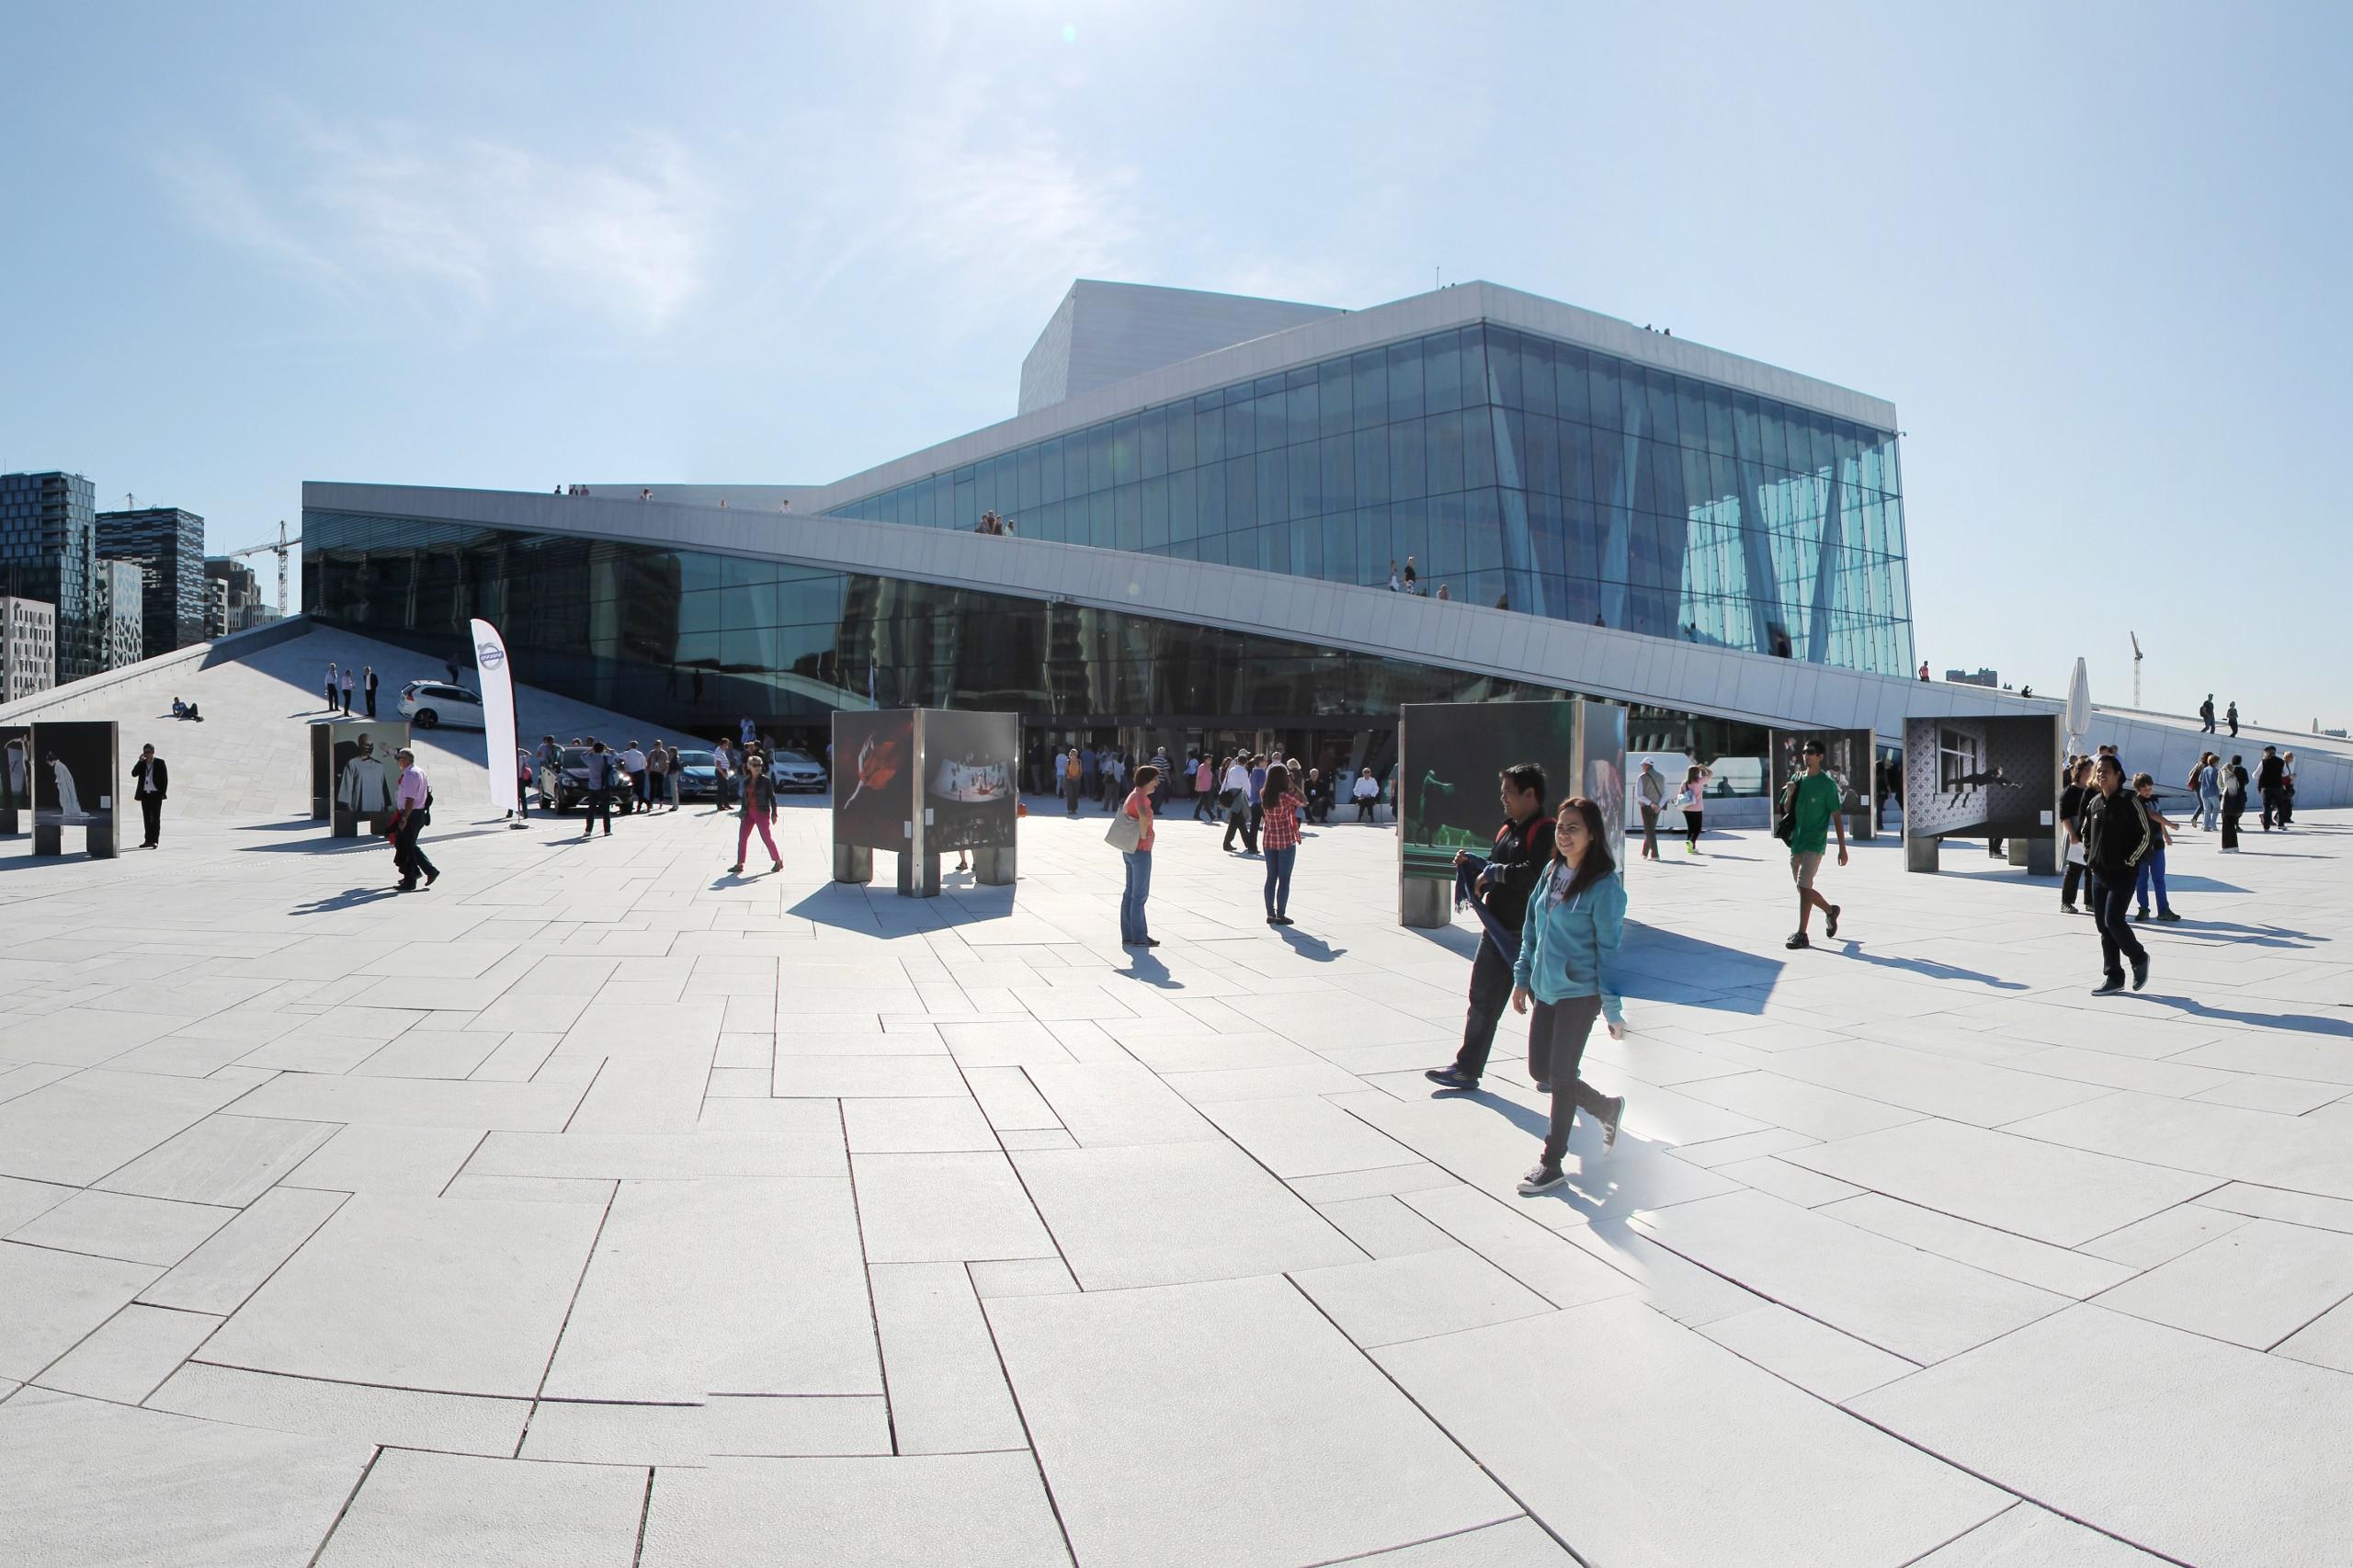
(1425, 903)
(853, 863)
(8, 828)
(1920, 853)
(911, 866)
(2037, 856)
(98, 840)
(993, 868)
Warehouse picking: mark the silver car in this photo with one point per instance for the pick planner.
(792, 770)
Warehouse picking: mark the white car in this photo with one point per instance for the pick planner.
(433, 704)
(795, 770)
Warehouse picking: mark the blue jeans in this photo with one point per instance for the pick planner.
(2152, 870)
(2211, 809)
(1278, 863)
(1139, 887)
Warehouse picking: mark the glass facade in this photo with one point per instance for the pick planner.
(694, 641)
(1514, 469)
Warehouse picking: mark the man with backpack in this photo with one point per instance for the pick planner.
(601, 767)
(1808, 806)
(1501, 884)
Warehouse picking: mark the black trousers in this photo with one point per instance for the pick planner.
(151, 807)
(2274, 809)
(371, 702)
(1490, 994)
(600, 809)
(1365, 804)
(1070, 794)
(1242, 820)
(2068, 883)
(2111, 902)
(406, 854)
(2234, 806)
(1692, 823)
(1204, 801)
(1556, 1035)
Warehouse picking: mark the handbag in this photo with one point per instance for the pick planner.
(1785, 815)
(1124, 834)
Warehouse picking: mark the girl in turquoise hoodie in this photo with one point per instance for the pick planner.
(1568, 953)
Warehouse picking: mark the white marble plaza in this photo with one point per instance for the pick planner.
(597, 1207)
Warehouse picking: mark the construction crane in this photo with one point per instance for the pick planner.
(278, 549)
(2136, 668)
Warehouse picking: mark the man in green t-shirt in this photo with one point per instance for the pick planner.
(1814, 803)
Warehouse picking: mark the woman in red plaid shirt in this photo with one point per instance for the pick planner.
(1279, 835)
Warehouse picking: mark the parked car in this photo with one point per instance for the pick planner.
(792, 770)
(698, 776)
(572, 784)
(432, 704)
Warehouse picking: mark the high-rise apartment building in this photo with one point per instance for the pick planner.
(234, 602)
(169, 542)
(49, 552)
(28, 648)
(122, 597)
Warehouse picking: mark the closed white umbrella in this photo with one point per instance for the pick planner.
(2079, 706)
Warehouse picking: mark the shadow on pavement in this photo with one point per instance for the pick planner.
(2294, 1023)
(841, 905)
(1930, 968)
(1144, 966)
(335, 903)
(1313, 948)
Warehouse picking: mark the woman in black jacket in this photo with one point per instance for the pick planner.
(2070, 812)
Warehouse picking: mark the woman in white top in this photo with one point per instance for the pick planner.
(1694, 802)
(1367, 795)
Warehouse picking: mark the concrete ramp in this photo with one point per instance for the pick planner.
(260, 691)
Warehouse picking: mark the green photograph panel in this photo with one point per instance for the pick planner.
(1451, 758)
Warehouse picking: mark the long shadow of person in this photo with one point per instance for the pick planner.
(1307, 947)
(1933, 968)
(351, 899)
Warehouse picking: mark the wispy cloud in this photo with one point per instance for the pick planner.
(464, 234)
(218, 196)
(958, 199)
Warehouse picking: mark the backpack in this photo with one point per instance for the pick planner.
(1785, 814)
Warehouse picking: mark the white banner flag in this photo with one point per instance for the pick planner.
(498, 717)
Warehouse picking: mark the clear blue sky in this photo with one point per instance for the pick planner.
(2096, 255)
